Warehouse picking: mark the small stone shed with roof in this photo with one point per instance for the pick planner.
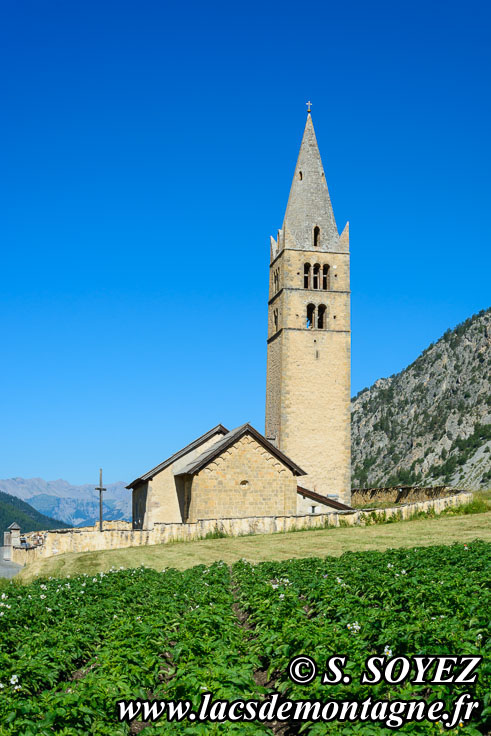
(220, 475)
(11, 538)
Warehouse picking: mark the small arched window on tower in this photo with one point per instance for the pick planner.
(310, 316)
(275, 318)
(321, 316)
(316, 276)
(276, 280)
(317, 236)
(306, 276)
(325, 277)
(300, 175)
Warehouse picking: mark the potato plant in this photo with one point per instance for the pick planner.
(70, 648)
(408, 602)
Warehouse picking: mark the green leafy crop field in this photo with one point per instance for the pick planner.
(70, 648)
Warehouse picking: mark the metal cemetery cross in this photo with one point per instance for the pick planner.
(100, 489)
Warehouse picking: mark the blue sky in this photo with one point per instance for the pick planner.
(147, 154)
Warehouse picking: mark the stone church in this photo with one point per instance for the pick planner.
(302, 463)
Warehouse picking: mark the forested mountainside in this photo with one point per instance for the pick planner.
(13, 509)
(430, 423)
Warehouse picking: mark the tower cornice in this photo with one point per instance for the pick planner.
(313, 292)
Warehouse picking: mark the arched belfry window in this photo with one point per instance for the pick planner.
(310, 316)
(325, 277)
(316, 277)
(321, 316)
(276, 280)
(317, 236)
(306, 276)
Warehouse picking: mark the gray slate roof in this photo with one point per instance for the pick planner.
(229, 439)
(332, 502)
(219, 429)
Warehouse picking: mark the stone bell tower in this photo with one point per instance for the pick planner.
(308, 373)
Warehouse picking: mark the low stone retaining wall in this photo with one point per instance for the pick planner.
(106, 525)
(55, 542)
(399, 494)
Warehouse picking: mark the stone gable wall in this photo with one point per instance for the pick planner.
(245, 480)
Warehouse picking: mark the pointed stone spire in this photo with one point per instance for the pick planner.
(309, 205)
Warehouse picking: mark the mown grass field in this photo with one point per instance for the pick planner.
(332, 542)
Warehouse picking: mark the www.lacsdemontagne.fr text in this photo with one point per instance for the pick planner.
(389, 713)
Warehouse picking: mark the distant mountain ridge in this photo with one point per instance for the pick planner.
(430, 423)
(75, 505)
(14, 509)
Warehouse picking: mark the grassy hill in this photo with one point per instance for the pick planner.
(13, 509)
(319, 542)
(429, 424)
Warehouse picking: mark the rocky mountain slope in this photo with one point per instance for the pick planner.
(13, 509)
(76, 505)
(430, 423)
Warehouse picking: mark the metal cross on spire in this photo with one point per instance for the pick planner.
(100, 489)
(309, 105)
